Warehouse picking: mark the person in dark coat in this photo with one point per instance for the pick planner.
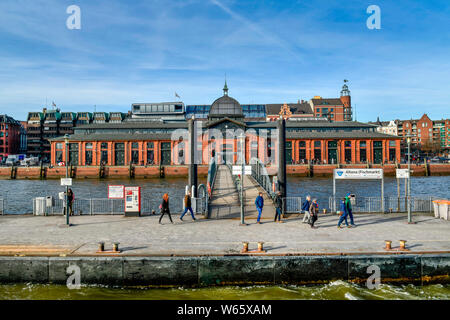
(70, 198)
(259, 202)
(348, 204)
(313, 212)
(305, 209)
(278, 207)
(165, 208)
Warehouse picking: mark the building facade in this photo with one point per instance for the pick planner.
(150, 142)
(10, 130)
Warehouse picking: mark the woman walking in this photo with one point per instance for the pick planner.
(165, 208)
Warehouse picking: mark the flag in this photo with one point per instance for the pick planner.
(177, 96)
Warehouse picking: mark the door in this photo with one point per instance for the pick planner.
(227, 154)
(119, 154)
(377, 152)
(73, 154)
(332, 152)
(166, 153)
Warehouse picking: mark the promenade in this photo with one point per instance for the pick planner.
(28, 235)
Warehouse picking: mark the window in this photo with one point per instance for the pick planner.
(150, 153)
(59, 146)
(104, 153)
(134, 153)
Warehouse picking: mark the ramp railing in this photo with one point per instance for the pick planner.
(259, 173)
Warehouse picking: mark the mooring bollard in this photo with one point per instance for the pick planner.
(402, 244)
(244, 247)
(388, 245)
(101, 246)
(116, 246)
(260, 246)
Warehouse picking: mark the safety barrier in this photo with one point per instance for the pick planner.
(292, 204)
(212, 172)
(50, 206)
(259, 173)
(2, 206)
(391, 204)
(199, 205)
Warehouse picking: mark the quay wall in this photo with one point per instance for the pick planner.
(198, 271)
(182, 171)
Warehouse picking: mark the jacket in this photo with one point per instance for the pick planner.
(348, 203)
(165, 206)
(278, 201)
(259, 202)
(306, 204)
(314, 208)
(187, 201)
(343, 207)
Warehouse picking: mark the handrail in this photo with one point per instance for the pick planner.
(212, 172)
(236, 181)
(259, 173)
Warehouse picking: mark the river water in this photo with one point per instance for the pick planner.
(337, 290)
(18, 193)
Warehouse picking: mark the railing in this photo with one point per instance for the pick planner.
(2, 206)
(199, 205)
(51, 206)
(212, 172)
(259, 173)
(391, 204)
(237, 183)
(292, 204)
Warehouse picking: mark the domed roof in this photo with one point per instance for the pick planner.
(226, 106)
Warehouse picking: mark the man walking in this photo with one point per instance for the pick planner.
(305, 208)
(344, 214)
(187, 206)
(348, 205)
(259, 202)
(278, 206)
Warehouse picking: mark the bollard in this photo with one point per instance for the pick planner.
(260, 246)
(324, 211)
(101, 246)
(403, 245)
(116, 246)
(388, 245)
(244, 247)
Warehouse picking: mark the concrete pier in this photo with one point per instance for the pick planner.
(207, 252)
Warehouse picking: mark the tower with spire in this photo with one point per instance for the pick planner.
(346, 101)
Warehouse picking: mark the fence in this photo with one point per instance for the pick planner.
(391, 204)
(292, 204)
(2, 206)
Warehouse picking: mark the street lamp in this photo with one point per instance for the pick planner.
(242, 177)
(66, 199)
(408, 140)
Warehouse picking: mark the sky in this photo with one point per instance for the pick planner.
(270, 51)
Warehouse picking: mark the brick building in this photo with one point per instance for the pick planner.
(10, 130)
(149, 142)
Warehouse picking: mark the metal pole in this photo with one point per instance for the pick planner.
(398, 195)
(282, 185)
(192, 152)
(334, 194)
(382, 193)
(67, 187)
(242, 177)
(409, 181)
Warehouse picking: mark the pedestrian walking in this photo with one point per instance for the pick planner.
(70, 198)
(259, 202)
(348, 204)
(165, 208)
(344, 214)
(305, 208)
(278, 205)
(187, 206)
(313, 212)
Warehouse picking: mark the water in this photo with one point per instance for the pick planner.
(337, 290)
(18, 193)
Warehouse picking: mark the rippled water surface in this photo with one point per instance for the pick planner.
(338, 290)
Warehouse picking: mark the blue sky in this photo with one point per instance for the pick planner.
(271, 51)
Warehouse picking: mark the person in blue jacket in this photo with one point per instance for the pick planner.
(259, 202)
(344, 213)
(305, 208)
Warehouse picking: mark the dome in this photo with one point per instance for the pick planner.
(226, 106)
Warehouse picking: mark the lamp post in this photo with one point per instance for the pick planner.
(408, 139)
(242, 177)
(66, 199)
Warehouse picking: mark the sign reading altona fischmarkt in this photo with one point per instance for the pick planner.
(358, 173)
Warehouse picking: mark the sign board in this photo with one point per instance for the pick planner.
(66, 181)
(132, 201)
(358, 173)
(116, 192)
(402, 173)
(237, 170)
